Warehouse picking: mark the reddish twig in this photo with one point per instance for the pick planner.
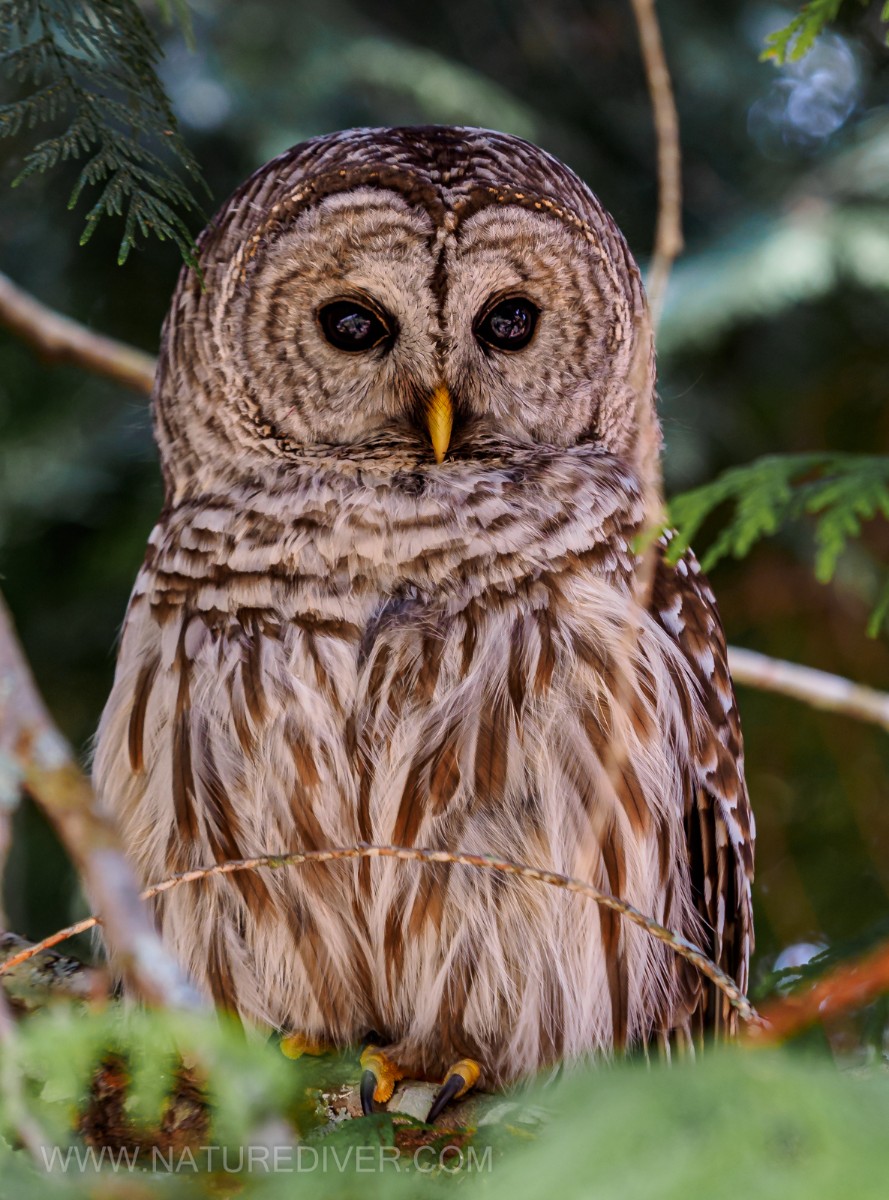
(680, 945)
(47, 977)
(848, 986)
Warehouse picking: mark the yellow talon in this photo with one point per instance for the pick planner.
(469, 1071)
(295, 1045)
(386, 1073)
(460, 1078)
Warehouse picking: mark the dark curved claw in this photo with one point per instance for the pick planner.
(453, 1086)
(368, 1084)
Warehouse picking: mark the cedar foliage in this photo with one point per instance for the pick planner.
(839, 491)
(797, 38)
(88, 69)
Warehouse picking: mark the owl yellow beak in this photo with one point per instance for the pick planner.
(440, 421)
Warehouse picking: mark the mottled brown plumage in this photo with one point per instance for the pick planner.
(337, 638)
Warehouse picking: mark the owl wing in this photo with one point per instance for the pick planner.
(719, 826)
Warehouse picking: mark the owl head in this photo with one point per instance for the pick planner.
(416, 297)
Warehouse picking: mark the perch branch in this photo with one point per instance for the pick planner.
(851, 985)
(820, 689)
(680, 945)
(668, 231)
(35, 757)
(59, 339)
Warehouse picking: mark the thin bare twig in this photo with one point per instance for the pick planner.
(851, 985)
(29, 949)
(34, 756)
(820, 689)
(46, 977)
(680, 945)
(61, 340)
(668, 233)
(667, 244)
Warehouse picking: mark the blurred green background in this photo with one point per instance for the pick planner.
(775, 338)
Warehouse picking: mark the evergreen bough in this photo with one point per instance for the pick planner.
(93, 63)
(797, 38)
(840, 491)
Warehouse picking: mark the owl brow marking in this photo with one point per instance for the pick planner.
(563, 213)
(319, 185)
(314, 186)
(680, 945)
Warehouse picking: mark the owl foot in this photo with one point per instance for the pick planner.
(461, 1077)
(295, 1045)
(379, 1079)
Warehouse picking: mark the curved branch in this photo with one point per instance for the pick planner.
(668, 232)
(61, 340)
(820, 689)
(678, 944)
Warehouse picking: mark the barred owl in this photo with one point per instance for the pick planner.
(407, 429)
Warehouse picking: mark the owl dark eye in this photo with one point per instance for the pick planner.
(351, 326)
(509, 325)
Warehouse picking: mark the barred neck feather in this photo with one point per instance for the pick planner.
(329, 524)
